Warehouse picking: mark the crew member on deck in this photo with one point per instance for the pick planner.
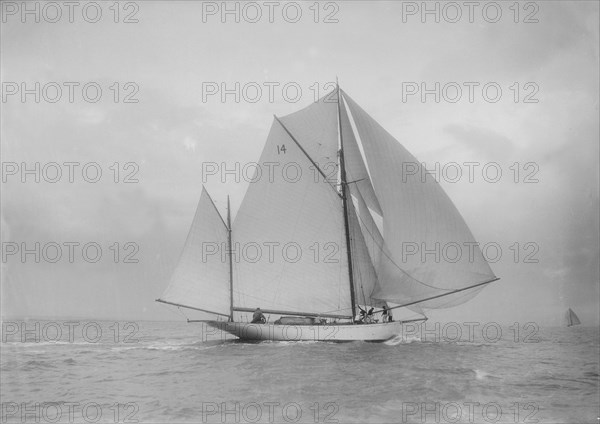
(370, 319)
(361, 318)
(387, 314)
(258, 317)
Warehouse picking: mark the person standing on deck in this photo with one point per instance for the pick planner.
(370, 319)
(387, 315)
(362, 316)
(258, 317)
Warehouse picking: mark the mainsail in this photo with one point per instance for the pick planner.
(201, 278)
(293, 216)
(572, 318)
(332, 219)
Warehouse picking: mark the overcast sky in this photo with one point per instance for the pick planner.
(378, 50)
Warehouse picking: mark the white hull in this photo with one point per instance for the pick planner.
(329, 333)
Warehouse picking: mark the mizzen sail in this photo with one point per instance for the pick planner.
(201, 278)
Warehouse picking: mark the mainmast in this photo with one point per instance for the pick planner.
(230, 252)
(345, 204)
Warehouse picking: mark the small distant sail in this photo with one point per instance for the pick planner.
(572, 318)
(201, 278)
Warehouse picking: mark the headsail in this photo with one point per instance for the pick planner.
(418, 217)
(365, 275)
(293, 216)
(201, 278)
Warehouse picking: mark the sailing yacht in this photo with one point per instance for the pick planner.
(571, 318)
(328, 227)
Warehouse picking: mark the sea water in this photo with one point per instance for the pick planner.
(92, 371)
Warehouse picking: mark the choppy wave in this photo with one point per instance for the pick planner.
(171, 374)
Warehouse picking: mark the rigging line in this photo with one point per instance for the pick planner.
(452, 299)
(261, 299)
(178, 310)
(466, 293)
(189, 307)
(354, 250)
(307, 155)
(394, 263)
(215, 206)
(182, 313)
(446, 294)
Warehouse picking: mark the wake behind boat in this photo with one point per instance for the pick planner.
(336, 202)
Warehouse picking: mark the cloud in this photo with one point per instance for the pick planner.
(486, 143)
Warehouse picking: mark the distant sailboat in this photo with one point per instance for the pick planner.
(350, 208)
(571, 318)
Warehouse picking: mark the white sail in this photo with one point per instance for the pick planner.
(572, 318)
(357, 173)
(417, 217)
(363, 269)
(315, 128)
(299, 214)
(201, 278)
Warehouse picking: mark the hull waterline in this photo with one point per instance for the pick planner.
(331, 333)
